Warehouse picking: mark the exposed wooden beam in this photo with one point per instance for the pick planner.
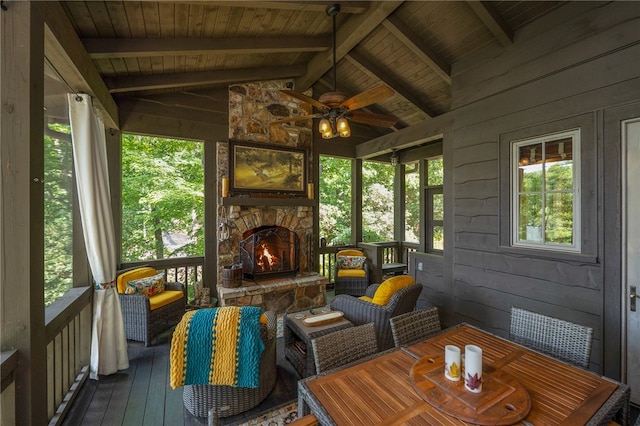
(418, 47)
(212, 100)
(493, 21)
(312, 6)
(352, 32)
(100, 48)
(158, 109)
(370, 68)
(427, 131)
(65, 52)
(163, 81)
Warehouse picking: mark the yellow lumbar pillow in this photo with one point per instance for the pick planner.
(389, 287)
(350, 252)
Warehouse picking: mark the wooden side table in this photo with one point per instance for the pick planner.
(298, 336)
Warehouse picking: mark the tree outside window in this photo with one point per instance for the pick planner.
(58, 212)
(377, 201)
(162, 198)
(545, 199)
(335, 200)
(435, 205)
(412, 202)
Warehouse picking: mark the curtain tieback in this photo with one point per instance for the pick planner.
(105, 286)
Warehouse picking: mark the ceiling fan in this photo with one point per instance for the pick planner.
(336, 109)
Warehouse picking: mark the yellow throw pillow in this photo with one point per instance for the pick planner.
(389, 287)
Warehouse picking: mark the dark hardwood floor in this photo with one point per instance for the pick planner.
(141, 395)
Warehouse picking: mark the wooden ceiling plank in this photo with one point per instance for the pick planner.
(369, 67)
(67, 55)
(418, 47)
(163, 81)
(352, 32)
(493, 20)
(141, 47)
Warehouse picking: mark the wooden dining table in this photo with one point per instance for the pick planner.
(381, 389)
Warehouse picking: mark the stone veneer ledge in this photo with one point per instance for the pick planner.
(286, 294)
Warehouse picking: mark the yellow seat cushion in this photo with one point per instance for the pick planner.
(350, 273)
(387, 288)
(161, 299)
(134, 274)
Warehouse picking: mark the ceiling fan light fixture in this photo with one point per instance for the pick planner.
(325, 128)
(343, 127)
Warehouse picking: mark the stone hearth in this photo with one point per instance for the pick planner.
(280, 295)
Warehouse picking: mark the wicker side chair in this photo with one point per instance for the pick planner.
(561, 339)
(415, 326)
(344, 346)
(350, 281)
(225, 401)
(141, 322)
(360, 311)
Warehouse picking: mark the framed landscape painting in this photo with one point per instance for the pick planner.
(265, 168)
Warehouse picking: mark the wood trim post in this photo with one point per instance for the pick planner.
(210, 268)
(356, 201)
(22, 207)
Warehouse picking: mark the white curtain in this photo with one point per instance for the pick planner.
(108, 341)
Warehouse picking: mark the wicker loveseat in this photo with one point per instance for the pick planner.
(146, 316)
(401, 297)
(227, 401)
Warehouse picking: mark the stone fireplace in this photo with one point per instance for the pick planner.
(287, 280)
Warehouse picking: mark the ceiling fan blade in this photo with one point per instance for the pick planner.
(305, 98)
(368, 97)
(298, 118)
(379, 120)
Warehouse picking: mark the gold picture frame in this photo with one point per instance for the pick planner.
(258, 168)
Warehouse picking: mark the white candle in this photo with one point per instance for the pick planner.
(452, 362)
(473, 368)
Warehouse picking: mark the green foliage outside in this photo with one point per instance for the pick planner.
(335, 200)
(58, 214)
(556, 217)
(377, 201)
(162, 198)
(412, 203)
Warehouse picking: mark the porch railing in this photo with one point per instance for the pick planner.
(186, 270)
(8, 365)
(68, 337)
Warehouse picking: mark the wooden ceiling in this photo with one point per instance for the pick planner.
(145, 48)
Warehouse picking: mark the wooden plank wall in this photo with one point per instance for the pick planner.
(577, 61)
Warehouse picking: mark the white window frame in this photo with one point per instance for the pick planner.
(574, 134)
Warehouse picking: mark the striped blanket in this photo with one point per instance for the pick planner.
(217, 346)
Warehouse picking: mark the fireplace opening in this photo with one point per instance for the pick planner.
(269, 251)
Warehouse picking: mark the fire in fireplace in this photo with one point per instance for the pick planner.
(269, 251)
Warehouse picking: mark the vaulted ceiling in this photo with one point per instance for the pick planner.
(145, 48)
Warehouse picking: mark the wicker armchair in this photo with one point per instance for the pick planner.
(414, 326)
(225, 401)
(143, 321)
(344, 346)
(564, 340)
(353, 281)
(360, 311)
